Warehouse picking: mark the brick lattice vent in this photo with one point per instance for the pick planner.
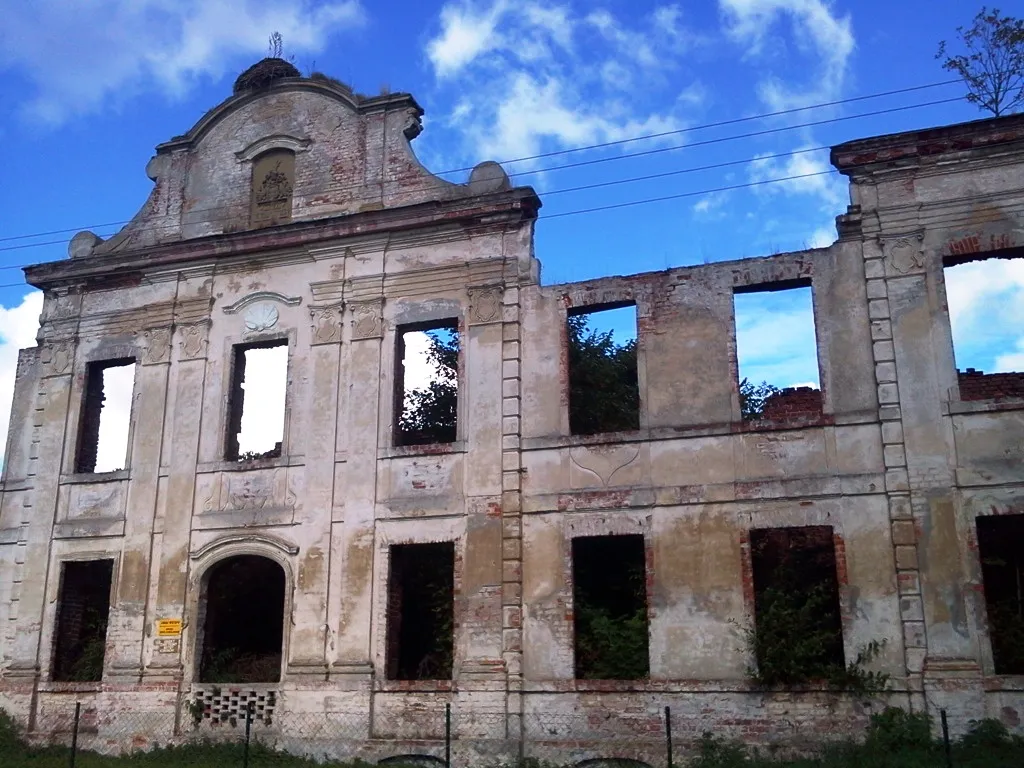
(793, 402)
(978, 385)
(228, 705)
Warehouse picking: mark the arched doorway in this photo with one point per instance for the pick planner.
(242, 621)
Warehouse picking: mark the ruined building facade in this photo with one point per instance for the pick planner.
(295, 215)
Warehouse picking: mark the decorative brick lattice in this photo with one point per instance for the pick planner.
(229, 705)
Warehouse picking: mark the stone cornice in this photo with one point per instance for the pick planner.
(976, 140)
(434, 221)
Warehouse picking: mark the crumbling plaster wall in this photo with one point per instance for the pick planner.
(694, 479)
(896, 464)
(921, 201)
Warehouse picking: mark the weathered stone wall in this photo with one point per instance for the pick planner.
(895, 458)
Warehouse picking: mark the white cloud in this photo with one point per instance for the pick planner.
(814, 176)
(775, 338)
(18, 326)
(115, 418)
(986, 312)
(1012, 361)
(816, 32)
(266, 380)
(466, 32)
(84, 55)
(823, 237)
(543, 78)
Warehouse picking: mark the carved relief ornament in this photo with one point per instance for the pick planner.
(904, 254)
(485, 304)
(193, 339)
(156, 346)
(366, 320)
(326, 324)
(57, 357)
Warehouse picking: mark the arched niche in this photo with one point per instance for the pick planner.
(273, 187)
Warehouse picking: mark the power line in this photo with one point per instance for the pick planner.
(619, 142)
(552, 168)
(951, 221)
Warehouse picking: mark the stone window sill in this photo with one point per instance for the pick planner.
(426, 449)
(68, 687)
(83, 478)
(955, 407)
(245, 466)
(425, 686)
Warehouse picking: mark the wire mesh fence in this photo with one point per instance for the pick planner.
(198, 735)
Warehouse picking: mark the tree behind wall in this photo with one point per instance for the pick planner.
(992, 64)
(430, 413)
(604, 395)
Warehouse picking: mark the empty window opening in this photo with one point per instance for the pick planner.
(777, 352)
(257, 401)
(798, 631)
(421, 612)
(610, 608)
(242, 620)
(986, 314)
(604, 393)
(106, 415)
(82, 613)
(1001, 550)
(427, 383)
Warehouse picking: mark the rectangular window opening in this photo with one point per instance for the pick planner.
(1001, 550)
(427, 383)
(985, 297)
(604, 392)
(421, 612)
(82, 612)
(106, 416)
(256, 402)
(610, 608)
(798, 631)
(777, 352)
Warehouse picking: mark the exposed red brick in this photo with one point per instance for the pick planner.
(793, 402)
(978, 385)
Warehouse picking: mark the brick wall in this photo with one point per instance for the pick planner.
(793, 402)
(978, 385)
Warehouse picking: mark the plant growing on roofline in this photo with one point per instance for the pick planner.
(992, 66)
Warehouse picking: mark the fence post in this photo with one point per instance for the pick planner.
(74, 732)
(248, 733)
(668, 734)
(945, 739)
(447, 736)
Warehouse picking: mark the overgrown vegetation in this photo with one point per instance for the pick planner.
(895, 739)
(991, 63)
(604, 395)
(796, 638)
(610, 608)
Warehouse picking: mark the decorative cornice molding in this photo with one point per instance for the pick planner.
(277, 141)
(290, 301)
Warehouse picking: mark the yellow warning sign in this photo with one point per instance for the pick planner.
(168, 627)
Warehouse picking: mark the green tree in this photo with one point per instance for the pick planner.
(604, 395)
(753, 398)
(430, 413)
(992, 62)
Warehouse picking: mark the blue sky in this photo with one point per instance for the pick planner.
(89, 87)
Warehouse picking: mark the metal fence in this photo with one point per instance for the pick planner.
(200, 737)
